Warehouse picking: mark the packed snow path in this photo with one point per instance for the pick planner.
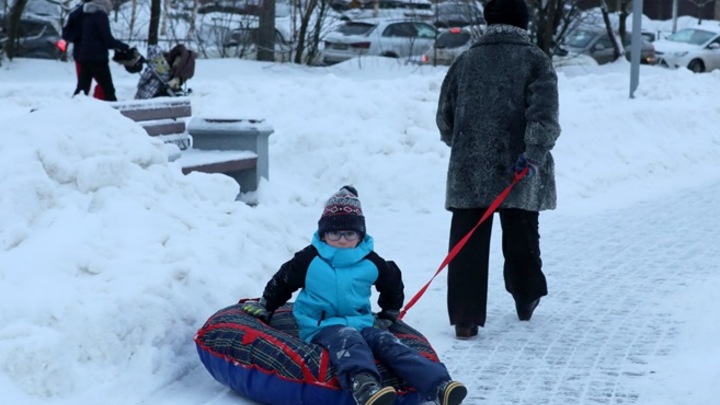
(601, 323)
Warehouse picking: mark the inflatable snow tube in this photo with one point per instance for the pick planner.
(271, 365)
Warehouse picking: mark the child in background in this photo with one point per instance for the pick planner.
(335, 274)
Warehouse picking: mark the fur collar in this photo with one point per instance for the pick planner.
(507, 29)
(93, 6)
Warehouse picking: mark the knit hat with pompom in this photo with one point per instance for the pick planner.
(342, 212)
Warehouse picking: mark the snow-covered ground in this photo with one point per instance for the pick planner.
(110, 259)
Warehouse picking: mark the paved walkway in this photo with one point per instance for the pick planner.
(608, 312)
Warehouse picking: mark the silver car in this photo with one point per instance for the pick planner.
(242, 43)
(595, 42)
(37, 37)
(458, 13)
(395, 38)
(449, 45)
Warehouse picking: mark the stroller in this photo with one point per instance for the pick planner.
(165, 73)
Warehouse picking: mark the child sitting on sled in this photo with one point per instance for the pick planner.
(335, 274)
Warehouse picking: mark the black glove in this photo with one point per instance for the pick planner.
(532, 166)
(389, 315)
(385, 319)
(380, 323)
(257, 309)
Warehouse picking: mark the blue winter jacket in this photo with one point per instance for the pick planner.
(335, 286)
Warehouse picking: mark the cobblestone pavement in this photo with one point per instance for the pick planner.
(606, 317)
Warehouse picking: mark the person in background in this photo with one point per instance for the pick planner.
(92, 53)
(498, 111)
(335, 275)
(72, 33)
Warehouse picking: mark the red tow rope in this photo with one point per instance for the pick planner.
(456, 249)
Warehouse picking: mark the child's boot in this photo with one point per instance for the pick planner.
(451, 393)
(366, 390)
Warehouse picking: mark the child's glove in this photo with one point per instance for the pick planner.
(523, 162)
(257, 309)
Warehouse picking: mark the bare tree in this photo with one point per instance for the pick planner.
(701, 7)
(312, 29)
(193, 17)
(305, 15)
(546, 23)
(551, 21)
(133, 14)
(13, 25)
(313, 48)
(618, 50)
(566, 17)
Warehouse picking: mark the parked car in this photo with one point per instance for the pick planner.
(222, 35)
(249, 7)
(396, 38)
(696, 48)
(242, 43)
(419, 9)
(449, 45)
(37, 37)
(458, 13)
(595, 42)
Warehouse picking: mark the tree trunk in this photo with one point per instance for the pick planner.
(163, 25)
(14, 27)
(266, 32)
(155, 10)
(191, 30)
(622, 18)
(133, 17)
(611, 34)
(546, 22)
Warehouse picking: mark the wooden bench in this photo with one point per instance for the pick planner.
(234, 147)
(160, 117)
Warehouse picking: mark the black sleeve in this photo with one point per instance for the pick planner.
(71, 29)
(106, 36)
(389, 283)
(287, 280)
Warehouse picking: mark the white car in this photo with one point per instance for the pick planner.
(696, 48)
(395, 38)
(420, 9)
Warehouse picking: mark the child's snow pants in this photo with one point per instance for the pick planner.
(352, 352)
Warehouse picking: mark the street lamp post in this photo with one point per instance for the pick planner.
(635, 46)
